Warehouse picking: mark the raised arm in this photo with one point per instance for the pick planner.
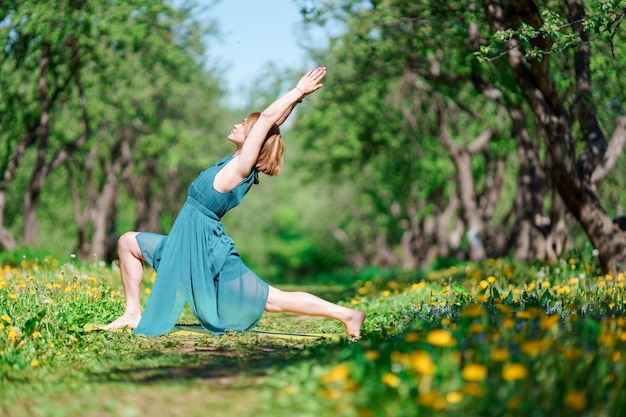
(273, 114)
(286, 114)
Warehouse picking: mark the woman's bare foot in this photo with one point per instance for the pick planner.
(125, 321)
(353, 325)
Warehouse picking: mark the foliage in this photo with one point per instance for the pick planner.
(375, 129)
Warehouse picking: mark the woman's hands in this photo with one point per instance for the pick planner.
(310, 82)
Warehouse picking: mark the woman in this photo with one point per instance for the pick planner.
(198, 263)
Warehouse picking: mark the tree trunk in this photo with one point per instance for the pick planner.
(100, 205)
(461, 156)
(534, 224)
(148, 205)
(31, 223)
(7, 241)
(42, 168)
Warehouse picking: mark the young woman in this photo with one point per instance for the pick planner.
(197, 263)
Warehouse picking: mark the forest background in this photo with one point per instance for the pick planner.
(446, 131)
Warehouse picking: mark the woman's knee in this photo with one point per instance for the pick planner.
(273, 303)
(127, 243)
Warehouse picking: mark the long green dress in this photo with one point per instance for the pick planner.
(198, 263)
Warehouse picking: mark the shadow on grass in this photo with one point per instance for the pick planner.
(231, 358)
(241, 358)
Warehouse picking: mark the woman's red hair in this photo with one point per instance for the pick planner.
(270, 161)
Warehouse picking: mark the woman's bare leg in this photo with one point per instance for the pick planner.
(131, 268)
(299, 302)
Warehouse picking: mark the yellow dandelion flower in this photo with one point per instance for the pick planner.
(472, 310)
(573, 281)
(454, 397)
(483, 284)
(474, 372)
(1, 326)
(491, 279)
(475, 328)
(514, 371)
(411, 337)
(504, 309)
(400, 357)
(330, 394)
(372, 355)
(390, 379)
(7, 318)
(422, 363)
(474, 389)
(508, 323)
(515, 402)
(607, 338)
(147, 291)
(499, 354)
(572, 261)
(572, 354)
(34, 363)
(441, 337)
(575, 400)
(339, 373)
(524, 315)
(548, 323)
(13, 333)
(12, 296)
(432, 400)
(534, 347)
(565, 290)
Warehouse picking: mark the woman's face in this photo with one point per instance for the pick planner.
(237, 135)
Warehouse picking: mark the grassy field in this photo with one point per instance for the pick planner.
(490, 339)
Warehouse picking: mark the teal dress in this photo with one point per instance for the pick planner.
(197, 263)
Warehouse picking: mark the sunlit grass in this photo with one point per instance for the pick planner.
(488, 339)
(491, 339)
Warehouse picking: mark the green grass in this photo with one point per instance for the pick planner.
(491, 339)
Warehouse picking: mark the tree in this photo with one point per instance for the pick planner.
(113, 80)
(439, 46)
(41, 64)
(530, 39)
